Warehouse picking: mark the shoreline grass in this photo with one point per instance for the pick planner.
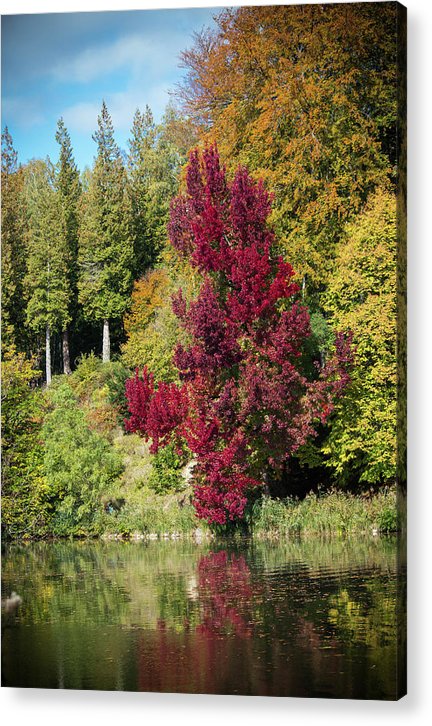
(331, 514)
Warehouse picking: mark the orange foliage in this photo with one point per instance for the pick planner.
(148, 295)
(305, 96)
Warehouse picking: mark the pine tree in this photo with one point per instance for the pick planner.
(13, 258)
(69, 188)
(47, 279)
(153, 167)
(105, 252)
(140, 145)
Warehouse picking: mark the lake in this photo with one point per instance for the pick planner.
(310, 617)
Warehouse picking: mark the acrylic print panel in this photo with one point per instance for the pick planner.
(204, 358)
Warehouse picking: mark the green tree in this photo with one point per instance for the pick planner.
(154, 164)
(69, 188)
(178, 130)
(105, 252)
(151, 327)
(47, 280)
(24, 487)
(13, 258)
(362, 297)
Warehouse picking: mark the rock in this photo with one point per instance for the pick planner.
(11, 603)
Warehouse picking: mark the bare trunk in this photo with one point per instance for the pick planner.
(48, 355)
(66, 354)
(106, 342)
(265, 485)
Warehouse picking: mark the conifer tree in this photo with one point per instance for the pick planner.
(142, 139)
(69, 188)
(153, 166)
(13, 258)
(47, 279)
(105, 254)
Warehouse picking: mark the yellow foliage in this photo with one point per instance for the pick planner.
(361, 297)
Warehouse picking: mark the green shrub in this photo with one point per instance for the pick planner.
(24, 486)
(86, 377)
(100, 387)
(149, 513)
(79, 464)
(166, 474)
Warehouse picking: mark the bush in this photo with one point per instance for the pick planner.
(101, 387)
(79, 464)
(24, 486)
(166, 473)
(147, 513)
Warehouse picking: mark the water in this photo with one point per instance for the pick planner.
(299, 618)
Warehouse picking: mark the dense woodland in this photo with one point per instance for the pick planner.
(210, 315)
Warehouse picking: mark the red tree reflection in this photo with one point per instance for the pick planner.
(196, 659)
(224, 591)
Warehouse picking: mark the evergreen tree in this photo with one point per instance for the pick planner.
(69, 188)
(140, 145)
(105, 252)
(13, 258)
(153, 165)
(47, 279)
(179, 130)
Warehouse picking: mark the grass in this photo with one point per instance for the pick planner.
(148, 513)
(332, 514)
(336, 513)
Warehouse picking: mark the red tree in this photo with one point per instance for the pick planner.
(244, 405)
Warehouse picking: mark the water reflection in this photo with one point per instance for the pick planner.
(311, 618)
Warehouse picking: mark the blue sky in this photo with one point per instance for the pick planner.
(64, 64)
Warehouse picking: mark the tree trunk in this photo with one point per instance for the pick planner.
(48, 354)
(66, 353)
(106, 342)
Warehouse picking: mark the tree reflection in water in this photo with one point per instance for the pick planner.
(299, 618)
(225, 594)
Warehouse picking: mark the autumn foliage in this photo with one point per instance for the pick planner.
(305, 96)
(244, 405)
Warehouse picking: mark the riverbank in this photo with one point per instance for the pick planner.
(332, 514)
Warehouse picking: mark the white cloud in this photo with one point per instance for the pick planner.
(24, 112)
(135, 53)
(82, 117)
